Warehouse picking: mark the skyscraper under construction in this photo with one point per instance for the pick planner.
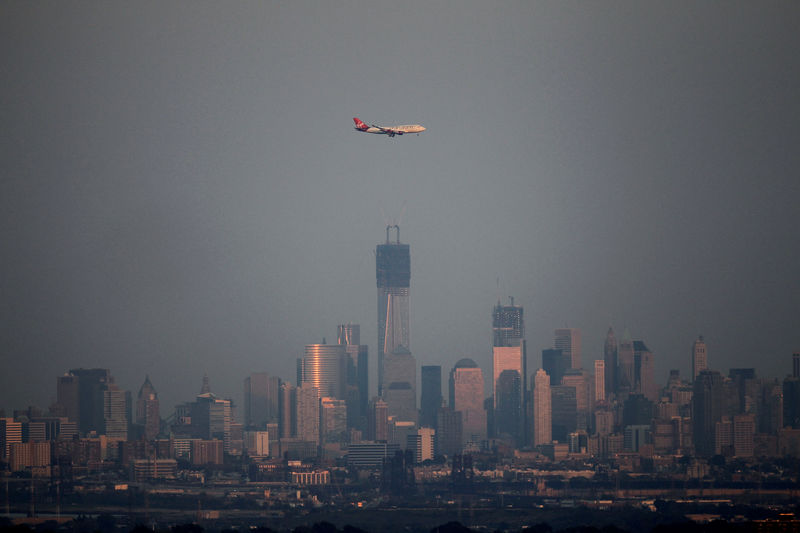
(393, 273)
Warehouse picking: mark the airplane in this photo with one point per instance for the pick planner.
(391, 131)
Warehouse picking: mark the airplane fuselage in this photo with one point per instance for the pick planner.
(391, 131)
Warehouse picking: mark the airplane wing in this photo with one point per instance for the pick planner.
(388, 131)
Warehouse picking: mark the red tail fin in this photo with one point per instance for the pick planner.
(360, 125)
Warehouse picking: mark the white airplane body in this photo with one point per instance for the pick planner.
(391, 131)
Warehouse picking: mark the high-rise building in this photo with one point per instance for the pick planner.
(115, 412)
(147, 411)
(349, 335)
(68, 397)
(90, 386)
(542, 409)
(707, 408)
(421, 442)
(431, 399)
(333, 413)
(400, 384)
(261, 393)
(555, 362)
(564, 411)
(508, 326)
(378, 421)
(509, 355)
(393, 273)
(568, 340)
(466, 396)
(508, 405)
(644, 371)
(770, 408)
(611, 363)
(627, 373)
(211, 418)
(599, 381)
(791, 402)
(699, 357)
(637, 411)
(746, 388)
(324, 366)
(287, 407)
(508, 358)
(581, 381)
(308, 397)
(744, 429)
(99, 405)
(791, 395)
(449, 432)
(10, 433)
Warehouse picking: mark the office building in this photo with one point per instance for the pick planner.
(611, 362)
(378, 421)
(147, 410)
(349, 335)
(324, 367)
(10, 433)
(796, 365)
(508, 406)
(466, 397)
(333, 425)
(542, 409)
(308, 398)
(421, 443)
(86, 385)
(564, 411)
(211, 419)
(287, 408)
(400, 430)
(707, 409)
(627, 373)
(431, 399)
(699, 357)
(770, 407)
(261, 400)
(555, 363)
(644, 371)
(256, 443)
(68, 397)
(599, 381)
(509, 355)
(400, 384)
(508, 325)
(635, 436)
(568, 340)
(580, 380)
(637, 411)
(370, 454)
(393, 273)
(449, 432)
(744, 430)
(508, 358)
(115, 412)
(791, 402)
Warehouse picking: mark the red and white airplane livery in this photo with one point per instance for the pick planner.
(391, 131)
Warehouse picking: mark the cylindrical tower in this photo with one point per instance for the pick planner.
(325, 367)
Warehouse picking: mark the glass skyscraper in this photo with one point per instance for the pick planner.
(393, 274)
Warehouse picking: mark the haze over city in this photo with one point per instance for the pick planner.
(183, 192)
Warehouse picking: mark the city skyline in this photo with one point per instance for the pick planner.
(183, 193)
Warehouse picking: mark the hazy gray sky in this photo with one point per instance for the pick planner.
(182, 190)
